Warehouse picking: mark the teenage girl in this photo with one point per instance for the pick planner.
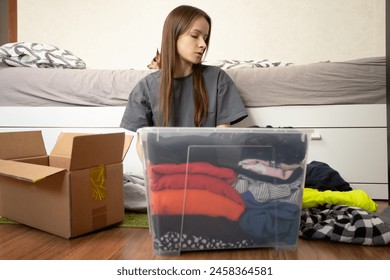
(183, 92)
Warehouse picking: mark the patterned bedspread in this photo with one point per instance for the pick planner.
(37, 55)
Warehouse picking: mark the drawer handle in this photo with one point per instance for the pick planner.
(315, 136)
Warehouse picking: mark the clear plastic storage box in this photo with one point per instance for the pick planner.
(214, 189)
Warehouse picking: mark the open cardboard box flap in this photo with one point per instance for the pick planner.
(16, 145)
(26, 171)
(82, 151)
(128, 140)
(72, 151)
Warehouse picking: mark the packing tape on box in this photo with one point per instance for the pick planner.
(97, 177)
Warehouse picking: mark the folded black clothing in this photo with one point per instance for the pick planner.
(322, 177)
(227, 149)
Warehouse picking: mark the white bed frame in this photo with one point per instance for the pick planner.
(352, 139)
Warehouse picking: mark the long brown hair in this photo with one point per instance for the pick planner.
(178, 22)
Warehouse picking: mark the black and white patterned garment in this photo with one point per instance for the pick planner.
(37, 55)
(172, 242)
(235, 64)
(344, 224)
(265, 191)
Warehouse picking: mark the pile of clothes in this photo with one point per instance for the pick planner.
(332, 210)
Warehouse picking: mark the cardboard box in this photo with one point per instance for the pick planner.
(75, 190)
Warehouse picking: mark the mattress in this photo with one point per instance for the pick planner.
(360, 81)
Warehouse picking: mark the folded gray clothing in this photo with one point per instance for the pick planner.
(134, 193)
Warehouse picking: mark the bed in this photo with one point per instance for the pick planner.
(360, 81)
(344, 103)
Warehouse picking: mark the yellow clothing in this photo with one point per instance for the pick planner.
(357, 198)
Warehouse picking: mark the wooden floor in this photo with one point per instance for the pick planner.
(22, 242)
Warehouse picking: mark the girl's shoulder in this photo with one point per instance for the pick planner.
(150, 79)
(148, 84)
(211, 68)
(155, 75)
(215, 73)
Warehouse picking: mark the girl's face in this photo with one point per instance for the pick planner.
(192, 44)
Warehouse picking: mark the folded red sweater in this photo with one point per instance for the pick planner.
(226, 174)
(194, 202)
(195, 181)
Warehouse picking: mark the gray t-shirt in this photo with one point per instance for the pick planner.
(225, 104)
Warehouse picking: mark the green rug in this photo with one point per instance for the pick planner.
(6, 221)
(132, 220)
(135, 220)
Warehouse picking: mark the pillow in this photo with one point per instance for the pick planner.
(39, 55)
(234, 64)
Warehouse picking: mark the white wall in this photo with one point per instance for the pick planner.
(123, 34)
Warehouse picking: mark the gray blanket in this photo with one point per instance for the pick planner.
(361, 81)
(134, 193)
